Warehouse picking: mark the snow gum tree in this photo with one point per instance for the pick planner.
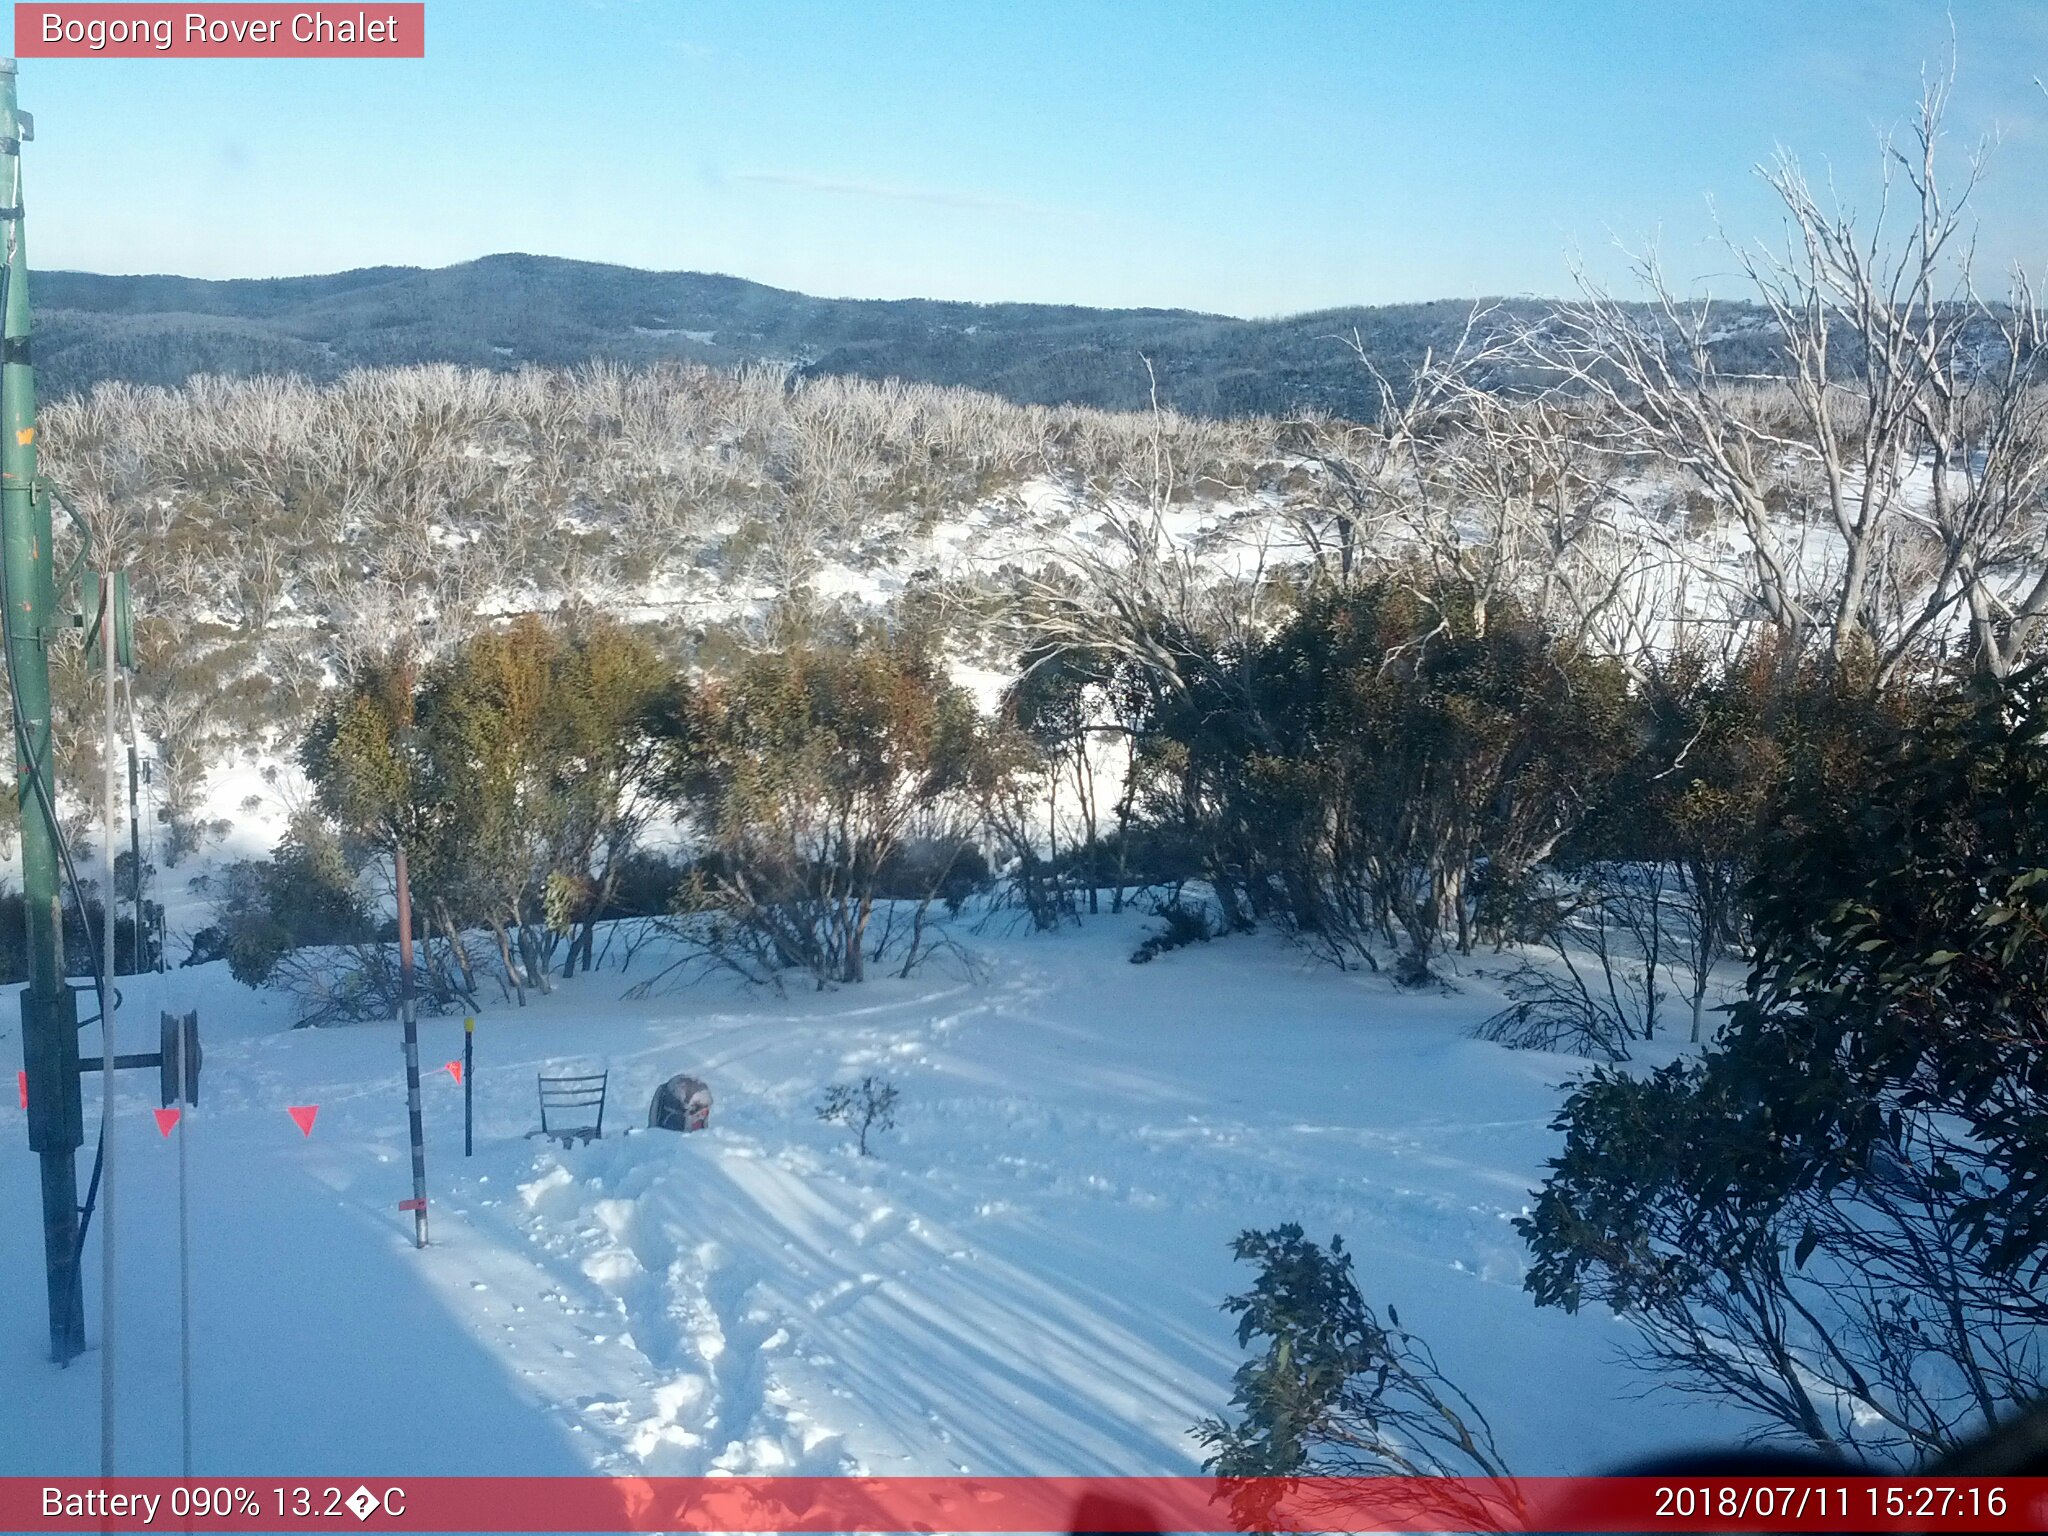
(304, 894)
(1836, 1217)
(369, 776)
(484, 746)
(518, 771)
(1078, 707)
(1906, 415)
(1337, 1390)
(804, 774)
(1361, 772)
(611, 705)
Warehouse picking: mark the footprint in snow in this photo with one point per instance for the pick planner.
(843, 1295)
(879, 1222)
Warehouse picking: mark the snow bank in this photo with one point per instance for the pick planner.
(1027, 1279)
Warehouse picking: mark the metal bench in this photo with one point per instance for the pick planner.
(571, 1095)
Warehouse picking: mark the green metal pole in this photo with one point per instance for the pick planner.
(49, 1015)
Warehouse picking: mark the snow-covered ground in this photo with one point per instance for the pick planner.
(1026, 1279)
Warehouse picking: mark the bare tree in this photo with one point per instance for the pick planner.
(1906, 422)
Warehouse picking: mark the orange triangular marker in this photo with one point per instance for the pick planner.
(455, 1070)
(302, 1116)
(166, 1118)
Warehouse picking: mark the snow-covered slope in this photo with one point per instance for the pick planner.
(1026, 1279)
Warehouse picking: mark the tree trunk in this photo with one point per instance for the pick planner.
(856, 954)
(512, 973)
(535, 966)
(460, 954)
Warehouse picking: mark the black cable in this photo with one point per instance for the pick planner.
(101, 983)
(35, 767)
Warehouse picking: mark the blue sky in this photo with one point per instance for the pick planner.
(1248, 158)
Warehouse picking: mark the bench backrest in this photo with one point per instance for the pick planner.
(563, 1091)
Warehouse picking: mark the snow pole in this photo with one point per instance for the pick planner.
(409, 1023)
(468, 1078)
(184, 1306)
(135, 834)
(108, 1055)
(179, 1074)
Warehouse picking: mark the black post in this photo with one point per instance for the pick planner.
(468, 1076)
(134, 848)
(411, 1033)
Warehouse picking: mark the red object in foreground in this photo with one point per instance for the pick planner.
(412, 1205)
(23, 1077)
(454, 1070)
(302, 1116)
(1008, 1504)
(165, 1119)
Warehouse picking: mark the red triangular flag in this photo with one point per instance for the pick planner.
(165, 1119)
(455, 1070)
(302, 1116)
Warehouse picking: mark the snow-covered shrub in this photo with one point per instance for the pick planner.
(1834, 1217)
(1600, 986)
(1184, 923)
(516, 774)
(810, 773)
(305, 894)
(1555, 1011)
(1349, 774)
(862, 1107)
(1336, 1391)
(80, 937)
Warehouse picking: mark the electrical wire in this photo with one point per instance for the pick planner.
(102, 977)
(35, 766)
(32, 761)
(21, 736)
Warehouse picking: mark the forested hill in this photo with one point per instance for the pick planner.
(502, 311)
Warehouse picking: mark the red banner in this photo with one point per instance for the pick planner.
(1007, 1504)
(101, 31)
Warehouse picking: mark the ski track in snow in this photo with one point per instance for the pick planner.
(1026, 1279)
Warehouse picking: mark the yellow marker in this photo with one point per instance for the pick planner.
(25, 436)
(469, 1026)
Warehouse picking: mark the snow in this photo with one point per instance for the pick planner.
(1026, 1279)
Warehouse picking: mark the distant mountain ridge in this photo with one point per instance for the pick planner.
(507, 310)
